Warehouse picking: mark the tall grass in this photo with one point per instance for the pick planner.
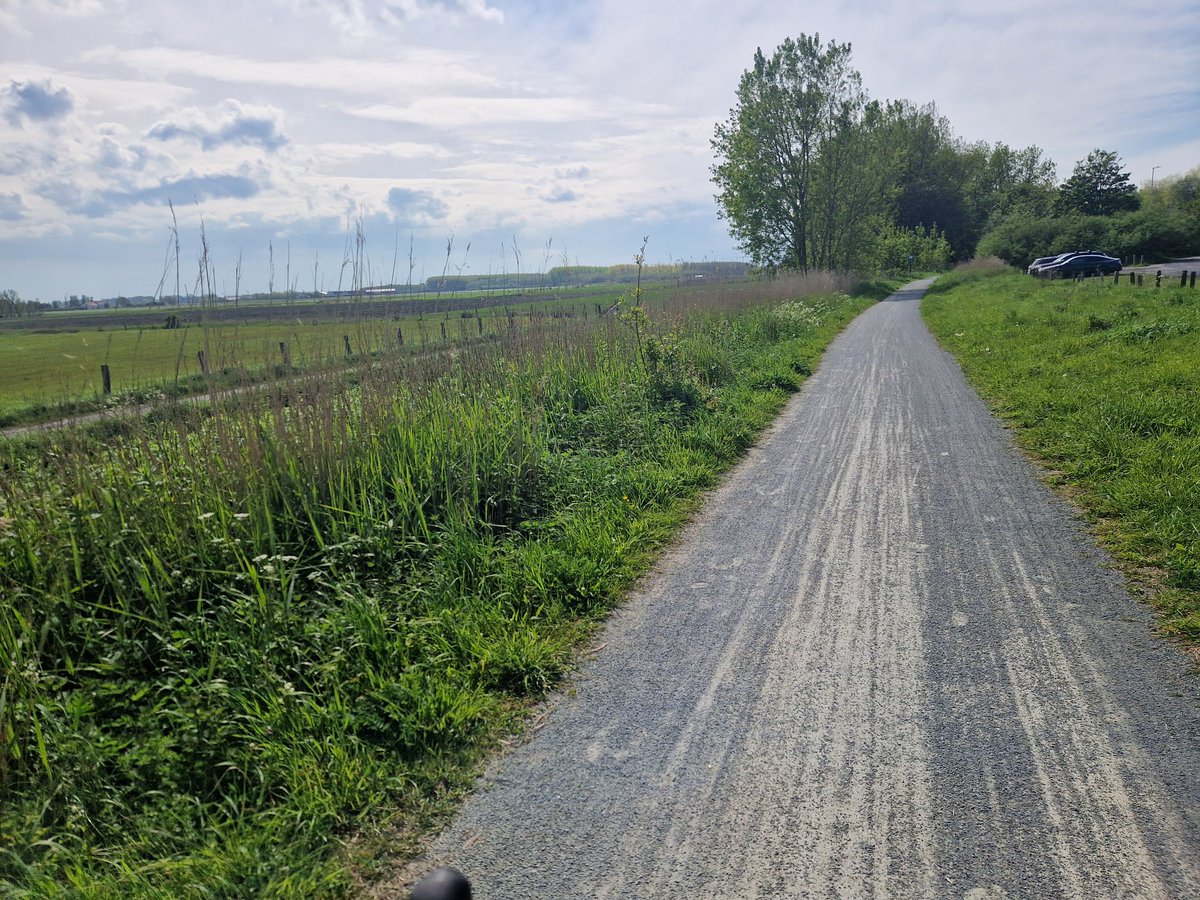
(237, 637)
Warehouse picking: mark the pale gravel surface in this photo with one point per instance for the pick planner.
(884, 661)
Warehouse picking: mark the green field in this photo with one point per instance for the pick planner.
(1102, 383)
(53, 369)
(259, 647)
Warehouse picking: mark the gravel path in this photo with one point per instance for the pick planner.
(884, 661)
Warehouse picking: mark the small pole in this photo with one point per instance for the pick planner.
(479, 319)
(1183, 279)
(346, 341)
(285, 353)
(1193, 279)
(399, 336)
(1158, 279)
(443, 329)
(203, 358)
(1116, 278)
(106, 377)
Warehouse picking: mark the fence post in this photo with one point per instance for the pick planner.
(399, 336)
(346, 341)
(1132, 279)
(1183, 279)
(479, 319)
(1193, 279)
(285, 353)
(1116, 278)
(106, 377)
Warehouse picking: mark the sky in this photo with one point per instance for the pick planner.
(564, 130)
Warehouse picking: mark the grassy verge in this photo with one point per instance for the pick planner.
(240, 642)
(1101, 382)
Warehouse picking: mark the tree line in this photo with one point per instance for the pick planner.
(812, 173)
(12, 306)
(1099, 209)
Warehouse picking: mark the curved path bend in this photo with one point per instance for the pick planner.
(884, 661)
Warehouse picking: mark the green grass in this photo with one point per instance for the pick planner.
(1101, 383)
(53, 370)
(44, 372)
(257, 648)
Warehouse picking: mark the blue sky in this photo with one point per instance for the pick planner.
(571, 129)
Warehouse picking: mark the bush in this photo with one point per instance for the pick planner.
(1155, 233)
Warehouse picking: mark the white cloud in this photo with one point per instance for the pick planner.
(462, 112)
(14, 12)
(338, 152)
(12, 207)
(416, 71)
(33, 101)
(360, 20)
(415, 206)
(231, 123)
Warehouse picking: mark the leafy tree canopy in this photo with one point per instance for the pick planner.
(812, 173)
(1098, 187)
(789, 105)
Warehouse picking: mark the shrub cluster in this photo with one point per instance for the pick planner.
(1155, 233)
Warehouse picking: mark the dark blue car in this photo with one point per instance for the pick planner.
(1081, 264)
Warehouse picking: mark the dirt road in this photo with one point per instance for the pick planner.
(884, 661)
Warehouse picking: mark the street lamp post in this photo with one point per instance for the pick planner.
(1153, 169)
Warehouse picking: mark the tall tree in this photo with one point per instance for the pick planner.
(1002, 182)
(11, 304)
(931, 170)
(1098, 187)
(1180, 192)
(788, 106)
(855, 186)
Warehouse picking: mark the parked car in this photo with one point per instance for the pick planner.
(1042, 261)
(1086, 263)
(1037, 264)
